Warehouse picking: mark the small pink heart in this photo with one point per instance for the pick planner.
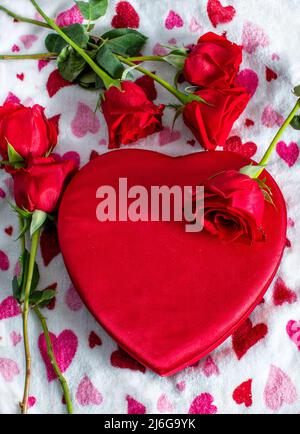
(288, 153)
(279, 389)
(4, 261)
(28, 40)
(249, 79)
(8, 369)
(15, 338)
(167, 136)
(159, 50)
(209, 367)
(180, 386)
(42, 64)
(87, 393)
(11, 97)
(202, 404)
(293, 331)
(85, 121)
(271, 118)
(275, 57)
(2, 194)
(20, 76)
(31, 401)
(195, 27)
(173, 20)
(15, 48)
(164, 405)
(253, 37)
(70, 155)
(70, 16)
(134, 407)
(72, 299)
(64, 346)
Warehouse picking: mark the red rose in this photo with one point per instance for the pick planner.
(40, 184)
(233, 206)
(129, 114)
(27, 129)
(213, 62)
(211, 123)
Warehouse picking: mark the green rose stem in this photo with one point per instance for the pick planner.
(25, 311)
(50, 352)
(23, 19)
(265, 159)
(28, 56)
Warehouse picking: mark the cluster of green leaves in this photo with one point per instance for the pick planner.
(296, 120)
(41, 298)
(104, 50)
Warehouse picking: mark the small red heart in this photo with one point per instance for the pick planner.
(56, 82)
(246, 336)
(191, 142)
(126, 16)
(21, 76)
(283, 294)
(249, 123)
(120, 359)
(52, 303)
(219, 14)
(242, 394)
(9, 230)
(49, 243)
(94, 154)
(270, 74)
(234, 144)
(134, 407)
(94, 340)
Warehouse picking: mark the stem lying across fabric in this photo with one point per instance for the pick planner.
(23, 19)
(37, 56)
(25, 312)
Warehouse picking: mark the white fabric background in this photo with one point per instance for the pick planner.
(280, 20)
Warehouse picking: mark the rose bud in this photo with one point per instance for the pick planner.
(213, 62)
(233, 206)
(211, 123)
(129, 114)
(39, 186)
(27, 130)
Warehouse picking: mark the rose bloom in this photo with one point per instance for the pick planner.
(39, 186)
(129, 114)
(213, 62)
(233, 206)
(27, 129)
(211, 123)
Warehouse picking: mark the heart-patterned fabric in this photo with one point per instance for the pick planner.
(255, 370)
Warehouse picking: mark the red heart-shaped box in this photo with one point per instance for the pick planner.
(167, 297)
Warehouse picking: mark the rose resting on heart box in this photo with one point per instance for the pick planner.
(168, 297)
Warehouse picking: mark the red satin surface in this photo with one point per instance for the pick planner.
(166, 296)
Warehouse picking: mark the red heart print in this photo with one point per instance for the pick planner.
(270, 74)
(288, 153)
(69, 17)
(120, 359)
(246, 336)
(248, 79)
(15, 48)
(202, 404)
(9, 308)
(21, 76)
(243, 394)
(173, 20)
(64, 347)
(2, 194)
(56, 82)
(9, 230)
(4, 261)
(219, 14)
(234, 144)
(42, 64)
(126, 16)
(283, 294)
(249, 123)
(94, 340)
(49, 243)
(134, 407)
(293, 331)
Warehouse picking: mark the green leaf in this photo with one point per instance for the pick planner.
(92, 9)
(16, 289)
(38, 219)
(22, 212)
(296, 122)
(42, 297)
(89, 80)
(35, 278)
(24, 229)
(126, 42)
(109, 62)
(77, 32)
(70, 64)
(297, 90)
(176, 60)
(13, 156)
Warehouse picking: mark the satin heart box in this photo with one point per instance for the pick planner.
(166, 296)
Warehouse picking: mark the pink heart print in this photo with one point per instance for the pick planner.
(8, 369)
(195, 27)
(9, 308)
(167, 136)
(134, 407)
(164, 405)
(279, 389)
(85, 121)
(202, 404)
(15, 338)
(4, 261)
(71, 155)
(248, 79)
(28, 40)
(288, 153)
(70, 16)
(173, 20)
(271, 118)
(253, 37)
(64, 346)
(72, 299)
(293, 331)
(209, 367)
(87, 393)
